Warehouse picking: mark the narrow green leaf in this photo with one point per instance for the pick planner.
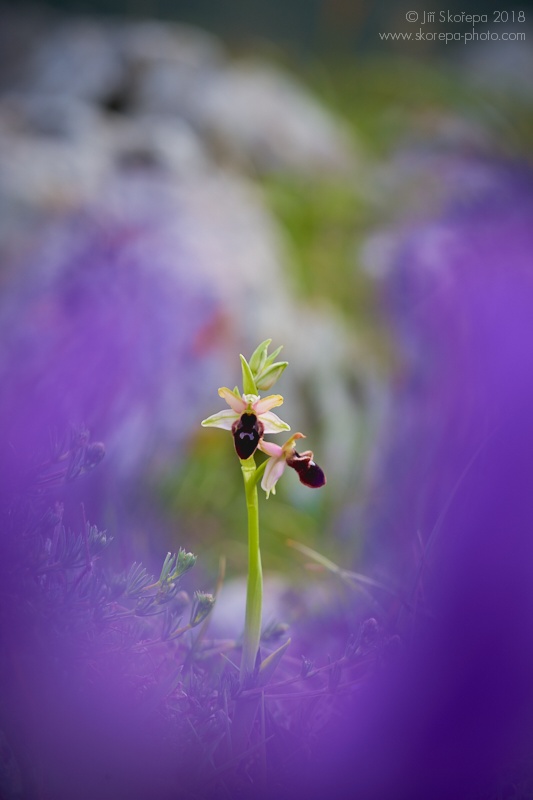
(168, 564)
(259, 472)
(269, 665)
(272, 357)
(345, 574)
(248, 383)
(258, 357)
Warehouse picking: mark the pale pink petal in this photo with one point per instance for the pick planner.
(273, 472)
(271, 449)
(261, 406)
(236, 403)
(272, 423)
(224, 419)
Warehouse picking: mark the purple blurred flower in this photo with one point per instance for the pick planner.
(111, 329)
(110, 326)
(454, 717)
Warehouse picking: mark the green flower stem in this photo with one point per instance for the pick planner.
(254, 589)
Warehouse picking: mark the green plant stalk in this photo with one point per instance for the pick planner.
(254, 589)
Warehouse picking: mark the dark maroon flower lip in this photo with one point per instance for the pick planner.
(247, 432)
(309, 473)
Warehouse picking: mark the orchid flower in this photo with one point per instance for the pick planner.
(248, 418)
(309, 473)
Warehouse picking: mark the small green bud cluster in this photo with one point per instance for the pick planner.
(174, 566)
(262, 370)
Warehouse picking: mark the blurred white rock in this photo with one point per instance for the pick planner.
(260, 116)
(77, 57)
(152, 42)
(167, 66)
(155, 143)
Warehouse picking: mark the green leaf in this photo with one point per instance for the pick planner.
(272, 357)
(270, 375)
(248, 383)
(168, 565)
(137, 579)
(258, 357)
(269, 665)
(345, 574)
(259, 472)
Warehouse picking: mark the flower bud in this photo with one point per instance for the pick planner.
(184, 562)
(259, 356)
(270, 375)
(201, 607)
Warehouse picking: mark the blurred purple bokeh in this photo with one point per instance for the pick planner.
(108, 325)
(453, 717)
(107, 333)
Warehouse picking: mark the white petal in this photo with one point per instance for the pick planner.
(224, 419)
(272, 423)
(236, 403)
(273, 472)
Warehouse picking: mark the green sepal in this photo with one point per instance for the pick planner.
(272, 357)
(269, 665)
(258, 357)
(268, 377)
(236, 392)
(248, 383)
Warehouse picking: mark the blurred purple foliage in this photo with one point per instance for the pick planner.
(108, 325)
(454, 716)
